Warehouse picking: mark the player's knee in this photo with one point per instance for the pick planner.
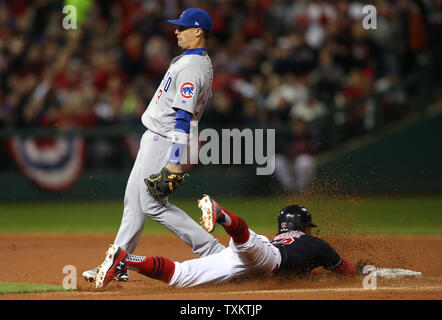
(153, 207)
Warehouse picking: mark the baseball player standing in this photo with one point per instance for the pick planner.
(293, 251)
(157, 171)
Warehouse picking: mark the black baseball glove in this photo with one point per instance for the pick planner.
(164, 183)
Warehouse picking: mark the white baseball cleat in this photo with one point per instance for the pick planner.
(89, 275)
(113, 264)
(211, 212)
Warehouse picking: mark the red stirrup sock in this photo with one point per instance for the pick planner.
(235, 226)
(159, 268)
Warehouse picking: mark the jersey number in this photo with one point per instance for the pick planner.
(167, 85)
(159, 96)
(284, 241)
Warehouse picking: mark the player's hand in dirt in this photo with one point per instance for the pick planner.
(359, 266)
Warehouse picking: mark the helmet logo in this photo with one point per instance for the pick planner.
(294, 217)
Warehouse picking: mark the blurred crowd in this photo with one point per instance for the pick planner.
(275, 62)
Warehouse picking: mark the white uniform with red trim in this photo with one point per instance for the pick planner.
(255, 257)
(186, 85)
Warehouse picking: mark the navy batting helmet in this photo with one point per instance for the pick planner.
(294, 217)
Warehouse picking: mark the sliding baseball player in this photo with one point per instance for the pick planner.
(294, 251)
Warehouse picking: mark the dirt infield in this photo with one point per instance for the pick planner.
(40, 258)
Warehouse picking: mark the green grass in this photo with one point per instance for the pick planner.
(362, 215)
(16, 287)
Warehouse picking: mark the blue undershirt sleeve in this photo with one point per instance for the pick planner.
(181, 129)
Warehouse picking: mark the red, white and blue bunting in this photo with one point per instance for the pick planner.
(53, 164)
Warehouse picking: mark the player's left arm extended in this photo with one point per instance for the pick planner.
(344, 268)
(332, 261)
(171, 176)
(347, 268)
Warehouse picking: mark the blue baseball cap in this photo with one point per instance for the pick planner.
(194, 17)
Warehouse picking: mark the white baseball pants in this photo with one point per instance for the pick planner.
(255, 257)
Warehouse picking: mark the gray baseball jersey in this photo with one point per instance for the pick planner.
(187, 85)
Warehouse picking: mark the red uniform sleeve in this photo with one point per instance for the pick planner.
(344, 268)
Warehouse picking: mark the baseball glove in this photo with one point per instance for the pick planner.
(164, 183)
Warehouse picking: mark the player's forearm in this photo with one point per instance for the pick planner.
(179, 137)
